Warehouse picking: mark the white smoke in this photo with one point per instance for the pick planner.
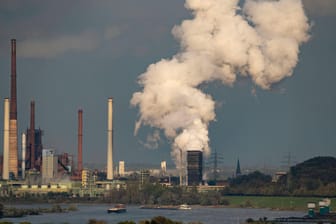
(260, 40)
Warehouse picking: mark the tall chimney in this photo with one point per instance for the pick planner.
(13, 138)
(5, 171)
(32, 135)
(23, 165)
(110, 140)
(80, 141)
(13, 103)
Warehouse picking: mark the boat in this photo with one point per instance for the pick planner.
(118, 208)
(184, 207)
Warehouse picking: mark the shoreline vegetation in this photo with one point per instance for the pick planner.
(13, 212)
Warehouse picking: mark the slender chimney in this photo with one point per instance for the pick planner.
(5, 171)
(80, 141)
(32, 135)
(13, 137)
(110, 140)
(13, 103)
(23, 165)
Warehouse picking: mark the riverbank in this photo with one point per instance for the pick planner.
(268, 202)
(273, 202)
(198, 214)
(15, 212)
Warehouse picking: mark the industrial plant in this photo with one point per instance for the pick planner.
(36, 168)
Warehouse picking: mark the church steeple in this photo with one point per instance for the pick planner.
(238, 171)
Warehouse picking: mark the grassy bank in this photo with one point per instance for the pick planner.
(281, 203)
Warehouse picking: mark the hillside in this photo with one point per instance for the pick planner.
(313, 177)
(319, 168)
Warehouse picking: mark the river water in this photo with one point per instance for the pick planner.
(204, 215)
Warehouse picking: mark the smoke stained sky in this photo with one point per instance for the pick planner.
(96, 50)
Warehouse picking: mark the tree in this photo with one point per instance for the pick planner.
(1, 210)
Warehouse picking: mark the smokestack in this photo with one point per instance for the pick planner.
(23, 166)
(5, 171)
(13, 138)
(13, 103)
(32, 135)
(110, 140)
(181, 180)
(80, 141)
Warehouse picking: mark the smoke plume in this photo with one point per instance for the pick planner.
(259, 40)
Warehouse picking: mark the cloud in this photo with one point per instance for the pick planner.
(55, 46)
(111, 32)
(320, 7)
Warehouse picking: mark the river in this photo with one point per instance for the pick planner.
(204, 215)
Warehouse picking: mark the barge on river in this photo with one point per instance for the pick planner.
(118, 208)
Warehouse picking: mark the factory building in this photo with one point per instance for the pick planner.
(65, 164)
(34, 149)
(49, 165)
(33, 146)
(86, 176)
(194, 167)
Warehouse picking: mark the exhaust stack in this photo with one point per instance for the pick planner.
(80, 142)
(110, 140)
(5, 170)
(13, 137)
(32, 135)
(23, 165)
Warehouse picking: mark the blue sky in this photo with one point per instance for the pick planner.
(89, 51)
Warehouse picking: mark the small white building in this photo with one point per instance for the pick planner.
(121, 168)
(163, 167)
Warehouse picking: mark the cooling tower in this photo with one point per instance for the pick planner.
(194, 167)
(110, 140)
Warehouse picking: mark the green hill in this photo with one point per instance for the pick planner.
(313, 177)
(316, 176)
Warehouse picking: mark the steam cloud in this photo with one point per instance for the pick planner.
(260, 40)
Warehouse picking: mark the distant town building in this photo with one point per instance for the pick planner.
(121, 168)
(163, 167)
(278, 175)
(144, 176)
(194, 167)
(49, 165)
